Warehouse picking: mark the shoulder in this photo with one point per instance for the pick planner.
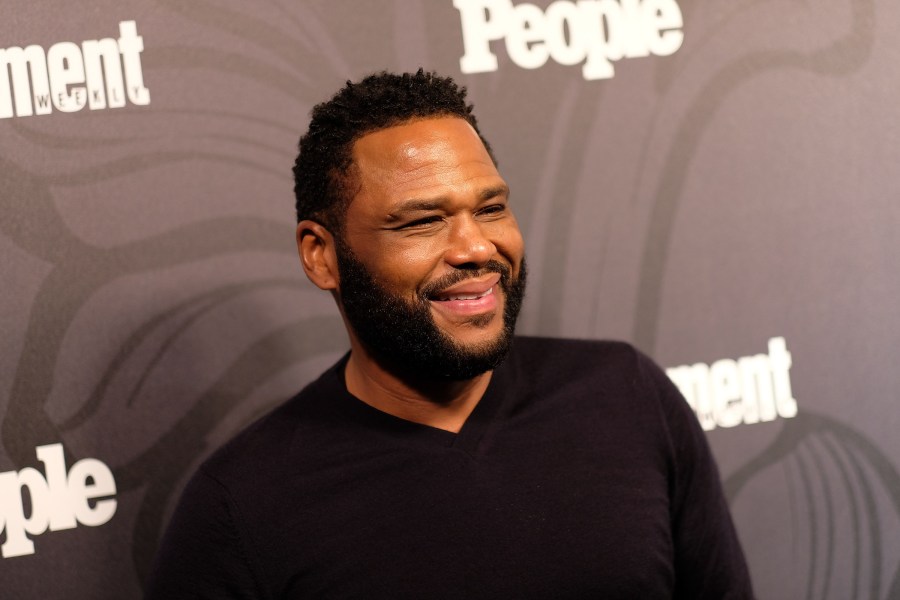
(549, 348)
(579, 358)
(268, 445)
(612, 376)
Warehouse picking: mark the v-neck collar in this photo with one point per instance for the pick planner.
(404, 431)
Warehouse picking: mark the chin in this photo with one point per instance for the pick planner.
(475, 337)
(474, 329)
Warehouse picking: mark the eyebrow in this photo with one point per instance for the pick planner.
(426, 204)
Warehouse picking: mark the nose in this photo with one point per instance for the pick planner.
(468, 244)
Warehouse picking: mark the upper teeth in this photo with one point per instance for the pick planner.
(470, 296)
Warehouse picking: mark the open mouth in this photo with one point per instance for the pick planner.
(469, 298)
(468, 290)
(451, 297)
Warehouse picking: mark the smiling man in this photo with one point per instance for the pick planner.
(430, 310)
(442, 457)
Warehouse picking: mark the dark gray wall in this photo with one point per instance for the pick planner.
(698, 204)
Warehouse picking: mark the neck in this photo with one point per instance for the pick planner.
(442, 404)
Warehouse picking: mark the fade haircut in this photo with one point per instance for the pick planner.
(323, 183)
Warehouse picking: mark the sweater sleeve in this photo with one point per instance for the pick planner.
(202, 554)
(709, 562)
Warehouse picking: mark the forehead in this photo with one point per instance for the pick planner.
(420, 155)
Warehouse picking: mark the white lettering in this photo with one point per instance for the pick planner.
(20, 63)
(482, 23)
(12, 485)
(607, 44)
(598, 32)
(524, 41)
(99, 74)
(131, 45)
(752, 389)
(561, 18)
(57, 500)
(65, 67)
(637, 28)
(61, 517)
(101, 61)
(664, 22)
(756, 388)
(89, 479)
(726, 392)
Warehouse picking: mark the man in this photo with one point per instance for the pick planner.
(441, 458)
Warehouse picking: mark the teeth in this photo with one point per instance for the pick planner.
(470, 297)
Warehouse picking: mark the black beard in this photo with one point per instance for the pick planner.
(403, 337)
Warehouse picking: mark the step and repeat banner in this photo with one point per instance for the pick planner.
(715, 182)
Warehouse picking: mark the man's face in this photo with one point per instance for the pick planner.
(431, 264)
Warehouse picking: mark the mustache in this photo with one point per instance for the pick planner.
(459, 275)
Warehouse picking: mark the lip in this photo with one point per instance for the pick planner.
(479, 297)
(469, 287)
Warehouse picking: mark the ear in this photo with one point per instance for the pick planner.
(315, 244)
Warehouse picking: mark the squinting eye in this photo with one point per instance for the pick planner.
(493, 209)
(424, 222)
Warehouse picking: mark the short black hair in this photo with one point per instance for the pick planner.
(321, 171)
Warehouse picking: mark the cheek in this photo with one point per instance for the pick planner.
(407, 267)
(509, 242)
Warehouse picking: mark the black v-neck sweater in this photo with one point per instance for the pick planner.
(581, 473)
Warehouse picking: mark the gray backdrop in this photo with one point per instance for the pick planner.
(741, 188)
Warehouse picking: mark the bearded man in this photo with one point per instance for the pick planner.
(442, 457)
